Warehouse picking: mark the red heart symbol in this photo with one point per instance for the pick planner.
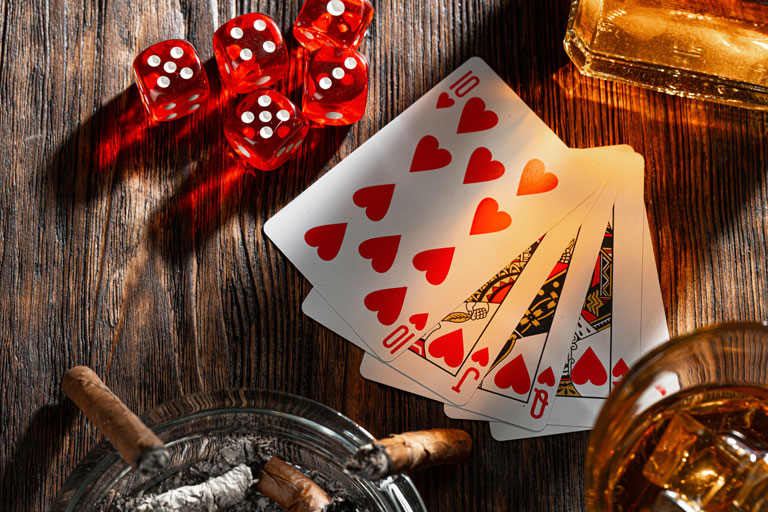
(419, 321)
(547, 377)
(535, 179)
(589, 368)
(444, 101)
(474, 117)
(375, 200)
(428, 155)
(488, 218)
(327, 239)
(449, 347)
(620, 368)
(514, 374)
(481, 357)
(387, 303)
(481, 167)
(435, 262)
(381, 251)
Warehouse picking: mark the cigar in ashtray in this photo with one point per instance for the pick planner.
(410, 451)
(277, 480)
(144, 451)
(138, 445)
(295, 492)
(266, 474)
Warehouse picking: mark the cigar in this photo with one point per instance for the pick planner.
(215, 494)
(290, 488)
(277, 480)
(138, 445)
(400, 453)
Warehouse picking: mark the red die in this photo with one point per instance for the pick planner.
(335, 86)
(266, 129)
(250, 53)
(171, 80)
(336, 23)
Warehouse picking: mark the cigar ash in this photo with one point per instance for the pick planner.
(369, 462)
(223, 482)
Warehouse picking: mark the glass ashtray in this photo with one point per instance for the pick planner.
(307, 434)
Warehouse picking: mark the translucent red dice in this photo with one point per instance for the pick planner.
(266, 129)
(171, 80)
(339, 23)
(335, 86)
(250, 53)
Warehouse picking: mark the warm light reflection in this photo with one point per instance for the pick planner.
(122, 126)
(202, 205)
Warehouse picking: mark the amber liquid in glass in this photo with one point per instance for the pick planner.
(706, 448)
(715, 49)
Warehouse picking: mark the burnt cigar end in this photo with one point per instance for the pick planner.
(370, 462)
(153, 460)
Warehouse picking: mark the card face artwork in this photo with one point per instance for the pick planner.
(404, 226)
(589, 354)
(449, 343)
(520, 388)
(574, 405)
(571, 412)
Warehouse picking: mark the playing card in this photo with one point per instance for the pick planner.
(406, 224)
(574, 404)
(654, 331)
(506, 432)
(429, 359)
(521, 385)
(464, 333)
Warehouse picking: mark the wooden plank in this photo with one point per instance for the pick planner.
(139, 250)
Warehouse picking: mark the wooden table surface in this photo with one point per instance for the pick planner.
(139, 250)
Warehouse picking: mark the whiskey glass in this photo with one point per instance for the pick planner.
(687, 428)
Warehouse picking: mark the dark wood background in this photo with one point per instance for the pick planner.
(139, 250)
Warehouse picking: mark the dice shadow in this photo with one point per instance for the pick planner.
(222, 186)
(119, 142)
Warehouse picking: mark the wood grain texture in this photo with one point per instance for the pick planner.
(139, 251)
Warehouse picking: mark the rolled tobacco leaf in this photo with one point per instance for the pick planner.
(410, 451)
(290, 488)
(138, 445)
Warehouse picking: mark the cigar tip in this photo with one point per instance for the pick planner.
(369, 462)
(153, 460)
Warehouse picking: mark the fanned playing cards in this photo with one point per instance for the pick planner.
(480, 262)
